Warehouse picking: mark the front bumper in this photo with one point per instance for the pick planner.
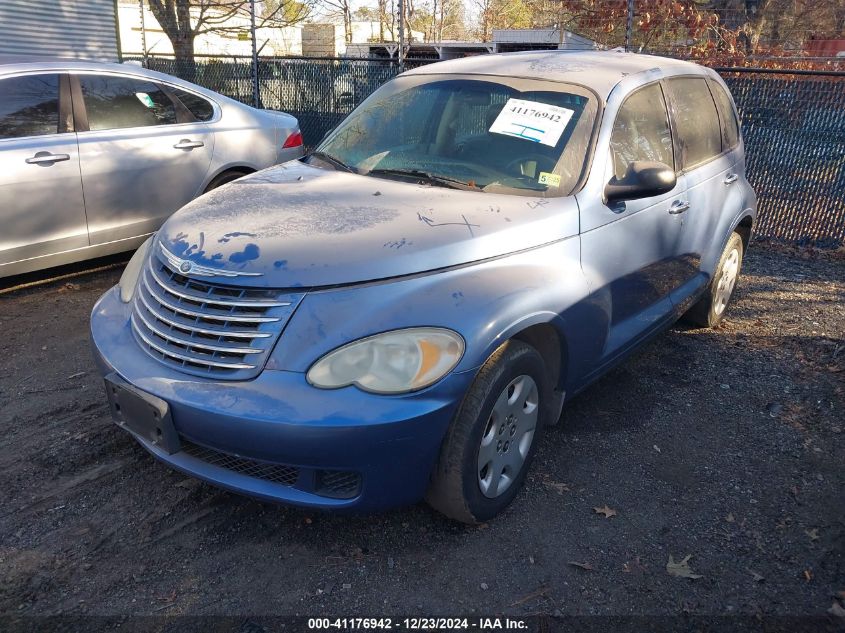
(390, 442)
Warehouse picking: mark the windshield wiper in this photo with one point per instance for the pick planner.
(424, 176)
(331, 159)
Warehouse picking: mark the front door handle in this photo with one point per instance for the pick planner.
(187, 143)
(679, 206)
(42, 158)
(730, 178)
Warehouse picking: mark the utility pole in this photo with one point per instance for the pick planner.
(255, 99)
(143, 33)
(629, 27)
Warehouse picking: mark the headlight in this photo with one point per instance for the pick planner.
(129, 278)
(392, 362)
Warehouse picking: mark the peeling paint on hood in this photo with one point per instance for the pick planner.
(303, 226)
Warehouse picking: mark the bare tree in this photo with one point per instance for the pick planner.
(342, 9)
(183, 20)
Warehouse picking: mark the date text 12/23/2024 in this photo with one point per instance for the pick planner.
(418, 624)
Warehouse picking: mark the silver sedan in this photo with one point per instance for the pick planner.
(96, 156)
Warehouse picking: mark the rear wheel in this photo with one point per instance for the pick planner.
(222, 179)
(710, 309)
(492, 440)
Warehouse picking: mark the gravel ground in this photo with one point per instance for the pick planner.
(720, 448)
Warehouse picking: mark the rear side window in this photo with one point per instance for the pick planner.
(641, 131)
(29, 106)
(196, 105)
(730, 127)
(699, 136)
(121, 102)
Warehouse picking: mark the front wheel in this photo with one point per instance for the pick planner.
(492, 440)
(710, 309)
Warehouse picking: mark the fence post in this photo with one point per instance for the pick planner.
(143, 35)
(629, 26)
(255, 97)
(401, 36)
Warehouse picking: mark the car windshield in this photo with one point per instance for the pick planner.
(517, 136)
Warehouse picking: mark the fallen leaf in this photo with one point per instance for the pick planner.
(606, 511)
(634, 566)
(837, 610)
(813, 534)
(541, 592)
(681, 568)
(586, 566)
(757, 577)
(558, 487)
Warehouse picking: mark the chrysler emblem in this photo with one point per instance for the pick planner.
(185, 266)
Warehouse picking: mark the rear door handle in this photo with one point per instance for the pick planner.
(45, 157)
(730, 178)
(679, 206)
(187, 143)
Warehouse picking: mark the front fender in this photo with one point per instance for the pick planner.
(486, 303)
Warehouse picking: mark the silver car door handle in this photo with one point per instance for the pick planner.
(679, 206)
(187, 143)
(41, 158)
(730, 178)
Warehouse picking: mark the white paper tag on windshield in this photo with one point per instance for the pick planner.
(532, 120)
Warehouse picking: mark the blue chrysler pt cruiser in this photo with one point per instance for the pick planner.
(398, 315)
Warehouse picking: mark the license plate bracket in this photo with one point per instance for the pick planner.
(142, 413)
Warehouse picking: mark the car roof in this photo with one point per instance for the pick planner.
(37, 62)
(21, 64)
(599, 70)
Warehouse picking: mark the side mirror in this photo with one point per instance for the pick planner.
(643, 179)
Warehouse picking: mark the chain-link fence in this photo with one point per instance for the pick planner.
(793, 124)
(794, 131)
(319, 91)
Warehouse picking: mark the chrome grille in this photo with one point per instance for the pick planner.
(204, 328)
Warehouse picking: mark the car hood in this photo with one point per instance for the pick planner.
(295, 225)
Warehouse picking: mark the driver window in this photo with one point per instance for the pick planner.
(641, 131)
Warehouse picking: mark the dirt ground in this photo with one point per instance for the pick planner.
(720, 448)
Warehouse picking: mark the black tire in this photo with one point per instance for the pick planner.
(706, 313)
(222, 179)
(455, 490)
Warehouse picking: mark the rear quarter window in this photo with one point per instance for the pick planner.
(196, 105)
(730, 127)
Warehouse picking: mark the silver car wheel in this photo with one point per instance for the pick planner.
(727, 280)
(507, 437)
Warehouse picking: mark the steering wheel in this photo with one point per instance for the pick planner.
(544, 163)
